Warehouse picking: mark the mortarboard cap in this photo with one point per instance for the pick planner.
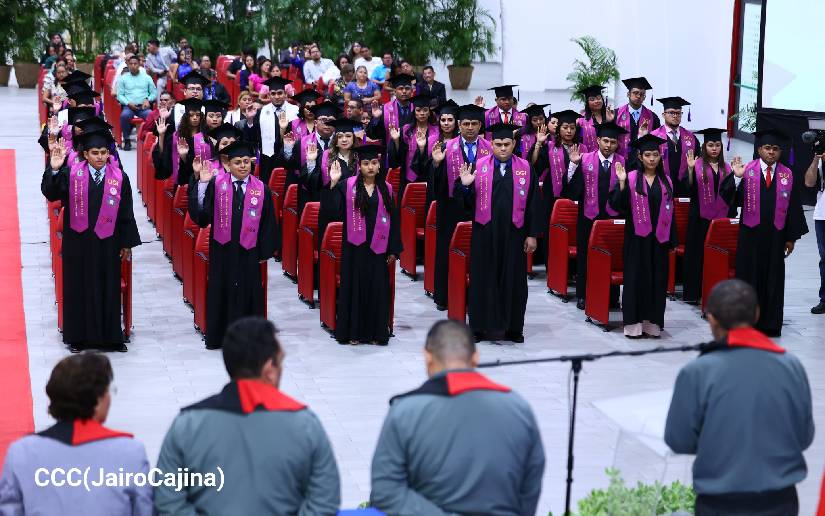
(637, 82)
(502, 131)
(369, 151)
(590, 91)
(568, 116)
(93, 124)
(195, 77)
(422, 100)
(535, 110)
(276, 83)
(344, 125)
(226, 130)
(76, 114)
(712, 134)
(239, 149)
(215, 106)
(325, 109)
(81, 93)
(771, 137)
(96, 139)
(305, 96)
(609, 130)
(76, 76)
(471, 112)
(505, 90)
(401, 79)
(448, 108)
(673, 102)
(648, 142)
(192, 104)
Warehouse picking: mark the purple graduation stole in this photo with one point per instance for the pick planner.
(527, 142)
(175, 157)
(66, 132)
(299, 128)
(390, 116)
(215, 164)
(455, 158)
(588, 131)
(79, 176)
(640, 211)
(73, 158)
(431, 143)
(711, 205)
(493, 116)
(685, 142)
(590, 169)
(782, 178)
(325, 168)
(486, 167)
(304, 142)
(357, 227)
(624, 119)
(412, 146)
(555, 155)
(202, 147)
(252, 209)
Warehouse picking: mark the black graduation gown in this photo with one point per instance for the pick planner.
(363, 309)
(448, 213)
(674, 152)
(645, 260)
(91, 266)
(760, 253)
(234, 289)
(632, 161)
(498, 268)
(697, 230)
(163, 160)
(543, 163)
(297, 174)
(267, 163)
(575, 190)
(396, 157)
(375, 129)
(328, 212)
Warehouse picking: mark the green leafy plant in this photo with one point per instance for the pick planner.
(601, 68)
(462, 31)
(641, 500)
(29, 30)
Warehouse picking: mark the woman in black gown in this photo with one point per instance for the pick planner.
(645, 197)
(371, 241)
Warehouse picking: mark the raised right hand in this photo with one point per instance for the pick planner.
(312, 151)
(54, 125)
(438, 152)
(644, 128)
(197, 166)
(57, 156)
(289, 140)
(575, 154)
(737, 167)
(621, 173)
(377, 110)
(334, 173)
(183, 147)
(541, 134)
(466, 174)
(160, 127)
(283, 123)
(691, 159)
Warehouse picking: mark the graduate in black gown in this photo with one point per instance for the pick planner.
(239, 208)
(635, 118)
(447, 116)
(502, 192)
(706, 171)
(264, 129)
(371, 241)
(408, 141)
(99, 232)
(645, 197)
(678, 142)
(443, 169)
(175, 151)
(772, 221)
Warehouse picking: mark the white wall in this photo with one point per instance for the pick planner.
(661, 40)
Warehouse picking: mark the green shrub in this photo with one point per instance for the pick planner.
(641, 500)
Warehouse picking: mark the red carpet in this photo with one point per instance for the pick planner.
(16, 399)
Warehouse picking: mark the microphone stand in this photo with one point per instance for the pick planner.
(576, 362)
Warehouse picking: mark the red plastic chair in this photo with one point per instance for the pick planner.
(42, 110)
(289, 235)
(394, 179)
(413, 221)
(429, 250)
(54, 208)
(459, 275)
(97, 73)
(177, 91)
(561, 246)
(168, 199)
(188, 240)
(721, 243)
(605, 267)
(307, 255)
(58, 274)
(150, 182)
(180, 207)
(200, 277)
(126, 296)
(277, 186)
(681, 211)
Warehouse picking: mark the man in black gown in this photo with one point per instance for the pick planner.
(503, 193)
(634, 116)
(765, 188)
(679, 141)
(243, 236)
(94, 243)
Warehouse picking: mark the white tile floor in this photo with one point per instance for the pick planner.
(168, 367)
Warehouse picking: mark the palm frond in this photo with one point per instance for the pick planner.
(601, 66)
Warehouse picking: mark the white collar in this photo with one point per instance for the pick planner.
(465, 142)
(762, 165)
(602, 158)
(630, 107)
(92, 169)
(244, 181)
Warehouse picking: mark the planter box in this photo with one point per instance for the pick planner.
(5, 71)
(88, 68)
(27, 74)
(460, 76)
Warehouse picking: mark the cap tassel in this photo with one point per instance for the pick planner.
(728, 147)
(651, 100)
(688, 114)
(792, 158)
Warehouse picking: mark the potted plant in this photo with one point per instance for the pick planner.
(601, 68)
(653, 499)
(6, 40)
(462, 32)
(28, 26)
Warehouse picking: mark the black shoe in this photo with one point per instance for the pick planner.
(580, 304)
(127, 145)
(819, 309)
(440, 308)
(120, 348)
(74, 348)
(479, 337)
(213, 347)
(518, 338)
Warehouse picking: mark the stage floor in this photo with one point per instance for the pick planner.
(622, 401)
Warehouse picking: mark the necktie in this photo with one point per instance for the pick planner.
(674, 135)
(636, 116)
(325, 143)
(238, 194)
(403, 112)
(98, 174)
(471, 152)
(605, 165)
(506, 118)
(768, 177)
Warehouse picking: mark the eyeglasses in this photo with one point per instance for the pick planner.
(194, 88)
(674, 113)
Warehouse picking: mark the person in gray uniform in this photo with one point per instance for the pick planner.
(273, 452)
(44, 472)
(744, 409)
(460, 443)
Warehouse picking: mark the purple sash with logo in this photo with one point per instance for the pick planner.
(390, 116)
(588, 131)
(67, 132)
(782, 179)
(711, 205)
(73, 158)
(202, 147)
(555, 155)
(175, 157)
(686, 140)
(454, 155)
(299, 128)
(590, 171)
(493, 116)
(79, 176)
(527, 142)
(640, 210)
(624, 119)
(485, 168)
(357, 226)
(253, 206)
(412, 146)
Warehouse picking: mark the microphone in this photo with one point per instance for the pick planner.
(809, 136)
